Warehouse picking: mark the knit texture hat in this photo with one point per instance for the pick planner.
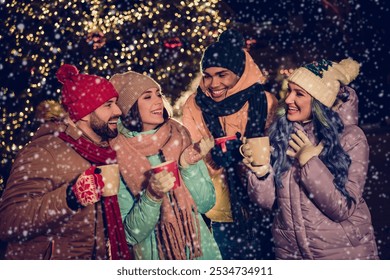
(81, 93)
(323, 79)
(227, 53)
(130, 85)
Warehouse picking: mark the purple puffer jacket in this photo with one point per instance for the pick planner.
(313, 220)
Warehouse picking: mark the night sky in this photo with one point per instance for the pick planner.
(293, 33)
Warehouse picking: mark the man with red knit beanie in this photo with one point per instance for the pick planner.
(49, 208)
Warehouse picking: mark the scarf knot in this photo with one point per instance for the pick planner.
(257, 113)
(91, 152)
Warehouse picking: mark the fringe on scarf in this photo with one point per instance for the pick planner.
(173, 238)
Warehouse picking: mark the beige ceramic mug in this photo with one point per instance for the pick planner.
(261, 151)
(111, 179)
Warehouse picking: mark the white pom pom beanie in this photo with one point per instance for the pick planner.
(322, 79)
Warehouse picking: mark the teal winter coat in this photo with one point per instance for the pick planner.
(140, 216)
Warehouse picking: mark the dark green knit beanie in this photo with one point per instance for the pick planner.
(227, 53)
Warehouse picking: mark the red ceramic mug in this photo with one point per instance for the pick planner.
(221, 141)
(170, 166)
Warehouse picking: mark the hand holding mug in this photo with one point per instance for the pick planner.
(88, 187)
(259, 171)
(257, 150)
(246, 151)
(160, 184)
(256, 153)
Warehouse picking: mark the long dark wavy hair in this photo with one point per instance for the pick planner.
(327, 128)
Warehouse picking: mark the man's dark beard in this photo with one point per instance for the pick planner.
(101, 128)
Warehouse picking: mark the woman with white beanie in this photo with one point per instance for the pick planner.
(318, 168)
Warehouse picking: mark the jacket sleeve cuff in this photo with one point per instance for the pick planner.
(71, 199)
(148, 199)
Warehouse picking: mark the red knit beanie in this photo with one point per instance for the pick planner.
(82, 94)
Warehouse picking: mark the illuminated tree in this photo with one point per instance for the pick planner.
(163, 39)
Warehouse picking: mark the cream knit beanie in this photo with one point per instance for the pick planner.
(130, 85)
(322, 79)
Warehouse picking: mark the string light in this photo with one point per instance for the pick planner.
(100, 37)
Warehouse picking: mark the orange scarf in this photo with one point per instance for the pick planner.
(176, 229)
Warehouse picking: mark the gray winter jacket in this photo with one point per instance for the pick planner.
(313, 220)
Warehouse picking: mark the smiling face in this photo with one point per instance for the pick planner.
(151, 109)
(298, 103)
(218, 81)
(101, 124)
